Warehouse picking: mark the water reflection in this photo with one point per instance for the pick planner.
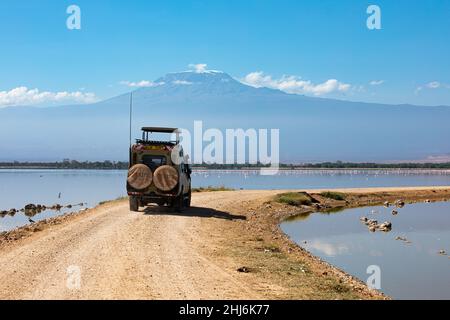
(327, 248)
(413, 256)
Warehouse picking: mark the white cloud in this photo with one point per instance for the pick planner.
(418, 89)
(199, 67)
(141, 84)
(294, 84)
(433, 85)
(376, 82)
(25, 96)
(181, 82)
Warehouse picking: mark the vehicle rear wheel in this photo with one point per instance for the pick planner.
(134, 204)
(187, 201)
(178, 203)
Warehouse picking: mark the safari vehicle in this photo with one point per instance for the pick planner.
(158, 172)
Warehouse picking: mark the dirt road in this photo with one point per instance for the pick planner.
(112, 253)
(120, 254)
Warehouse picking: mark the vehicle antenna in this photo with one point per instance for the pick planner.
(131, 115)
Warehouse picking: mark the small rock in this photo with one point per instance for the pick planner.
(442, 252)
(243, 269)
(56, 207)
(387, 204)
(363, 219)
(428, 201)
(400, 203)
(394, 212)
(385, 226)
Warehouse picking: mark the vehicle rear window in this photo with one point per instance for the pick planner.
(154, 162)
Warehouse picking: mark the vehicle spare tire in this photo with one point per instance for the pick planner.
(165, 178)
(140, 177)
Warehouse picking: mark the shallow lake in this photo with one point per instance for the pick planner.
(48, 187)
(410, 267)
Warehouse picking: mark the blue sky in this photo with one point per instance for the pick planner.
(299, 46)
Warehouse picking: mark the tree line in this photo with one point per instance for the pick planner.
(123, 165)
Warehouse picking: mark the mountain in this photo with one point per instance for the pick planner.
(311, 129)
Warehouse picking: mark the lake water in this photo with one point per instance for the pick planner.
(410, 267)
(20, 187)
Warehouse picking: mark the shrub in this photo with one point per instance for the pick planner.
(294, 198)
(211, 189)
(333, 195)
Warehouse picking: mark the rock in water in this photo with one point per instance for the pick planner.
(30, 207)
(400, 203)
(385, 226)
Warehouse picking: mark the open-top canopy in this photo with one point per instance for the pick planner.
(147, 131)
(159, 129)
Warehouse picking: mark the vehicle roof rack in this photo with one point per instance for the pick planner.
(159, 129)
(146, 131)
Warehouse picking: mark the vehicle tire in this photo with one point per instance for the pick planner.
(187, 201)
(165, 178)
(178, 203)
(140, 177)
(134, 204)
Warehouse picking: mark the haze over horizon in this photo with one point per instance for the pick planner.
(312, 129)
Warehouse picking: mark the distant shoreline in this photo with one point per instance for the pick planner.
(123, 165)
(440, 170)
